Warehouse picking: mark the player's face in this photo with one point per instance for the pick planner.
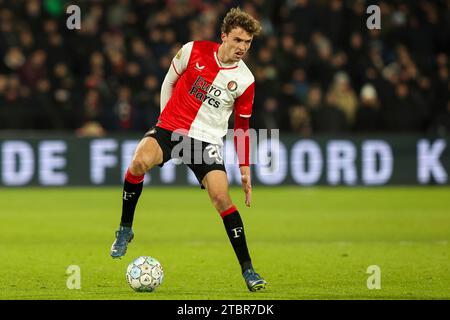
(236, 44)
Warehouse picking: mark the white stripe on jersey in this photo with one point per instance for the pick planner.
(211, 124)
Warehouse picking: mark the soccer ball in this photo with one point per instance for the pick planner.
(145, 274)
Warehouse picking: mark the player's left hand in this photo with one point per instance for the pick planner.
(246, 185)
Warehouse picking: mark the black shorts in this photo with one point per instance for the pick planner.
(201, 157)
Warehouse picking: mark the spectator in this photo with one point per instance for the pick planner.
(271, 116)
(368, 116)
(344, 96)
(13, 60)
(441, 124)
(403, 115)
(300, 85)
(329, 118)
(300, 120)
(90, 116)
(34, 70)
(147, 104)
(121, 117)
(301, 20)
(314, 101)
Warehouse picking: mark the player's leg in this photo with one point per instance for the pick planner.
(216, 183)
(147, 155)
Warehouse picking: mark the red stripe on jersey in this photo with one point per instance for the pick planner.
(228, 211)
(187, 96)
(242, 140)
(242, 113)
(244, 103)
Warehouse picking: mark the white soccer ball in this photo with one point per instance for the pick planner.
(145, 274)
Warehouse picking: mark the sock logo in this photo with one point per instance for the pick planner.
(237, 231)
(128, 195)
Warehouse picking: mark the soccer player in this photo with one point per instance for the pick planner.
(206, 82)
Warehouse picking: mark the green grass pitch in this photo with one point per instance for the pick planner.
(308, 243)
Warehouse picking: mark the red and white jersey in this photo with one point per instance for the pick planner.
(206, 93)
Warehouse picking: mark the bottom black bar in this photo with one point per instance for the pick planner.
(229, 309)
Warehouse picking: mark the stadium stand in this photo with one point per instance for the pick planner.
(318, 68)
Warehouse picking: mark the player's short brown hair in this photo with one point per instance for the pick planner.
(238, 18)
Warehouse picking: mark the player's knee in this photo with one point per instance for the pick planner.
(139, 166)
(221, 201)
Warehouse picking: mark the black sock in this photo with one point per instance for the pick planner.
(130, 197)
(235, 230)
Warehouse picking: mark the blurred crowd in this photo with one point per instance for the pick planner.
(318, 68)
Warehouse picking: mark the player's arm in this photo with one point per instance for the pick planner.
(242, 114)
(177, 67)
(167, 86)
(242, 146)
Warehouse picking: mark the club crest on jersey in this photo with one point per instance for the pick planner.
(232, 86)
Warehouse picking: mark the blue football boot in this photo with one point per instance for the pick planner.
(123, 236)
(253, 280)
